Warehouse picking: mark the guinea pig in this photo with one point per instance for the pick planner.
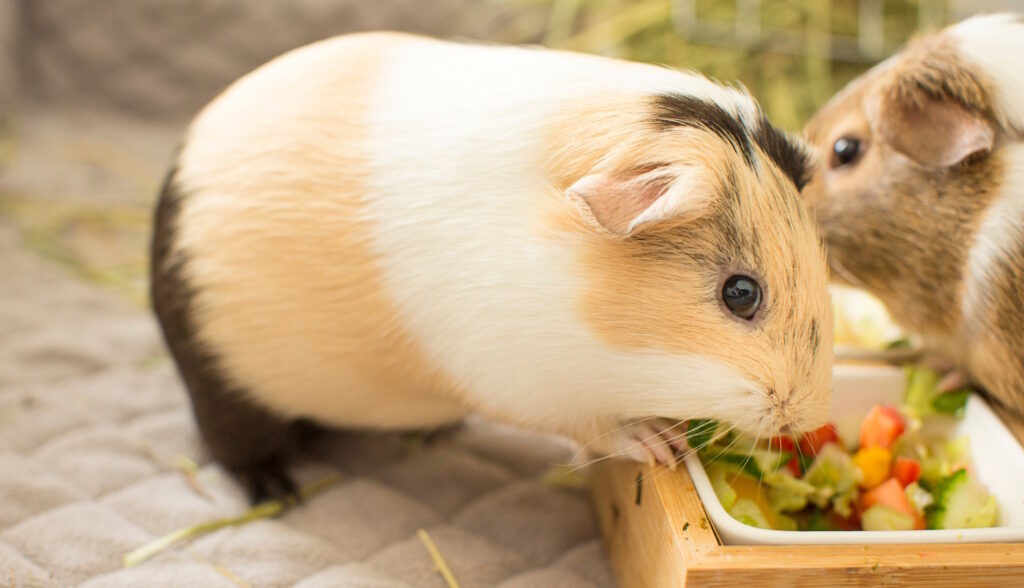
(383, 231)
(921, 198)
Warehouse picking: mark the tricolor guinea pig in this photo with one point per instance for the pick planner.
(921, 198)
(382, 231)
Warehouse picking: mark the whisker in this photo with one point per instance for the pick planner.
(661, 469)
(799, 453)
(727, 448)
(605, 434)
(750, 454)
(624, 450)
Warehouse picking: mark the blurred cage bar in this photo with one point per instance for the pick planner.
(870, 44)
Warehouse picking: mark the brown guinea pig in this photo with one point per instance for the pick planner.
(921, 194)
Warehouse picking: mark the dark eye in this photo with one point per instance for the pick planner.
(742, 295)
(845, 151)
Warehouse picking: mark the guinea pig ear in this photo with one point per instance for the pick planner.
(934, 132)
(623, 203)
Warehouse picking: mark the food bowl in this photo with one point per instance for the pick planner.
(997, 457)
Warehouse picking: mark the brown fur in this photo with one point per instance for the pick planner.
(881, 215)
(995, 338)
(931, 68)
(904, 230)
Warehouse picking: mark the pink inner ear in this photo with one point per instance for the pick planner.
(938, 134)
(615, 202)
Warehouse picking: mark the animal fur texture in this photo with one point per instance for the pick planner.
(386, 231)
(930, 216)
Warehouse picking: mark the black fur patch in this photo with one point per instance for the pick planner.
(678, 110)
(242, 435)
(789, 156)
(815, 337)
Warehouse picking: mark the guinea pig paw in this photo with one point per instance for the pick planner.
(651, 443)
(954, 379)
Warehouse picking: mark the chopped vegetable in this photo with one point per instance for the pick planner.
(788, 445)
(951, 402)
(919, 497)
(873, 463)
(960, 503)
(783, 443)
(755, 462)
(747, 512)
(725, 492)
(882, 518)
(835, 479)
(921, 386)
(793, 466)
(890, 494)
(786, 499)
(812, 442)
(881, 427)
(699, 432)
(923, 397)
(906, 470)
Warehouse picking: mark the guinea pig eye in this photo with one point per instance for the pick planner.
(742, 296)
(845, 151)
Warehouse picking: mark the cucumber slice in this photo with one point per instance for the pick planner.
(756, 462)
(960, 502)
(699, 432)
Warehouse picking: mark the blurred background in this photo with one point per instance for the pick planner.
(95, 93)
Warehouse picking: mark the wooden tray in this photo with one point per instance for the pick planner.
(657, 534)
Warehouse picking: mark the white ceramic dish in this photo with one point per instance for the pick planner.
(997, 456)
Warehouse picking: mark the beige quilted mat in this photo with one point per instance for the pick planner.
(93, 422)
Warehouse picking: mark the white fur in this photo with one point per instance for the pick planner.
(995, 43)
(1002, 227)
(455, 198)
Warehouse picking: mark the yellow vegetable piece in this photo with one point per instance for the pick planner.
(874, 463)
